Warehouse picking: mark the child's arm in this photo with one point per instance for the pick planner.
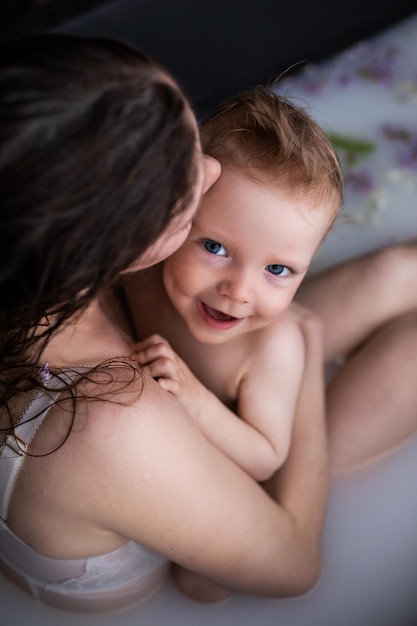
(268, 393)
(295, 486)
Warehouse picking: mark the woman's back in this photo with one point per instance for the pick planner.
(52, 540)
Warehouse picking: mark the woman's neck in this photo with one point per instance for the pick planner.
(100, 333)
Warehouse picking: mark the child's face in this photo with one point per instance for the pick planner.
(249, 248)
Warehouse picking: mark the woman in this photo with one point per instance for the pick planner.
(104, 478)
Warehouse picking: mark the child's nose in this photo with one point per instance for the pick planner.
(238, 289)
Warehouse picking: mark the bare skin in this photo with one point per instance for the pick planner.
(83, 501)
(369, 312)
(222, 302)
(139, 468)
(285, 482)
(371, 402)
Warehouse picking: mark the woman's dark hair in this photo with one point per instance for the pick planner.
(96, 156)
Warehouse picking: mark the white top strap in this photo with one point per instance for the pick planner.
(12, 453)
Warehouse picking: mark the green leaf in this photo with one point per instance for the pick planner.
(352, 144)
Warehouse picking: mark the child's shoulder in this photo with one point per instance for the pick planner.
(285, 327)
(280, 340)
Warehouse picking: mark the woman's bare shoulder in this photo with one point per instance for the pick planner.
(126, 401)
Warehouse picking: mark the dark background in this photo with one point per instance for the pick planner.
(215, 48)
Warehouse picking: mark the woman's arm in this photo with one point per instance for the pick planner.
(173, 491)
(309, 443)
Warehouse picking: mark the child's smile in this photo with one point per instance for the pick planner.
(249, 248)
(215, 318)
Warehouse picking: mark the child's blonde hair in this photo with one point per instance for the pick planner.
(269, 137)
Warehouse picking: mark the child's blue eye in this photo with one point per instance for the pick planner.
(214, 247)
(278, 270)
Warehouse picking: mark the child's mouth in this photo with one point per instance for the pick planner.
(216, 319)
(218, 315)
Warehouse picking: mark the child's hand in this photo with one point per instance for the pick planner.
(161, 363)
(164, 365)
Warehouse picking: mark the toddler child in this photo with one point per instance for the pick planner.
(218, 325)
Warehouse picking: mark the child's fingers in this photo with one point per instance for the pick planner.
(162, 368)
(170, 385)
(152, 340)
(154, 352)
(160, 362)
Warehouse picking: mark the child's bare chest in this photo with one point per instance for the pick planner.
(219, 367)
